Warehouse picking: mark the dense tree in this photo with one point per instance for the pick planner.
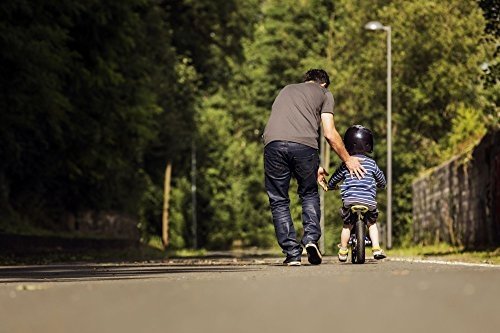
(436, 89)
(207, 37)
(289, 38)
(97, 97)
(33, 104)
(83, 87)
(491, 13)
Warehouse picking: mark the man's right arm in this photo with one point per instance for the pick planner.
(335, 141)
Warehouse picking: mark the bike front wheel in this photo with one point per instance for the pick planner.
(359, 251)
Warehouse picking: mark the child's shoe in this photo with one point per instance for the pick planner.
(378, 253)
(343, 253)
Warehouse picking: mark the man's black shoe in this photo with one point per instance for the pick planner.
(292, 261)
(313, 254)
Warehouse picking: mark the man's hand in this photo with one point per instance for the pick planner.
(321, 178)
(353, 163)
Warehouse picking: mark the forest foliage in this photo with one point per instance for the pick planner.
(97, 97)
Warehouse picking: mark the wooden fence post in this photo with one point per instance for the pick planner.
(166, 198)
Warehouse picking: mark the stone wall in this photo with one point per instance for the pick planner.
(459, 201)
(86, 231)
(105, 224)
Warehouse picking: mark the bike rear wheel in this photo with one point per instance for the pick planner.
(359, 250)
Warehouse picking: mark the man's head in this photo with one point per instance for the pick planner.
(317, 75)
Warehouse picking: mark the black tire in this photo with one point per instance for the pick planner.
(360, 242)
(353, 246)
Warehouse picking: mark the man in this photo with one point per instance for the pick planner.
(291, 149)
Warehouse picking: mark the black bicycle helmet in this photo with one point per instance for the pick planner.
(358, 140)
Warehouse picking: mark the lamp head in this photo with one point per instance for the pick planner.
(374, 25)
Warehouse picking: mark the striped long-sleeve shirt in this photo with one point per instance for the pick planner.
(359, 191)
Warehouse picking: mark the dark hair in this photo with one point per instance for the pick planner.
(317, 75)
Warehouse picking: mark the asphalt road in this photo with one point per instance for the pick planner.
(250, 295)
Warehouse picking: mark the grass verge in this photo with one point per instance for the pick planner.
(448, 252)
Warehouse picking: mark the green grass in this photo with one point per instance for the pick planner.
(448, 252)
(186, 253)
(156, 243)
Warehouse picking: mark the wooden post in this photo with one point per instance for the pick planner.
(325, 163)
(166, 198)
(324, 146)
(322, 149)
(194, 224)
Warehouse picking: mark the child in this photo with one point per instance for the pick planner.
(358, 141)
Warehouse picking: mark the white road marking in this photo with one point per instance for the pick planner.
(443, 262)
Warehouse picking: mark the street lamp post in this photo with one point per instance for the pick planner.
(375, 25)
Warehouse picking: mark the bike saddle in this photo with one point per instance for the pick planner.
(359, 208)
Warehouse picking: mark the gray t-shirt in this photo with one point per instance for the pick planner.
(296, 114)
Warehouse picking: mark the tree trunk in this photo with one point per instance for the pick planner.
(166, 198)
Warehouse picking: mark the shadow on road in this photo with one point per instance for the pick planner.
(66, 273)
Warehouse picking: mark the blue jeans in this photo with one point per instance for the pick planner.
(282, 160)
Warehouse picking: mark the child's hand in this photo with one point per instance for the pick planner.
(321, 175)
(321, 178)
(323, 185)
